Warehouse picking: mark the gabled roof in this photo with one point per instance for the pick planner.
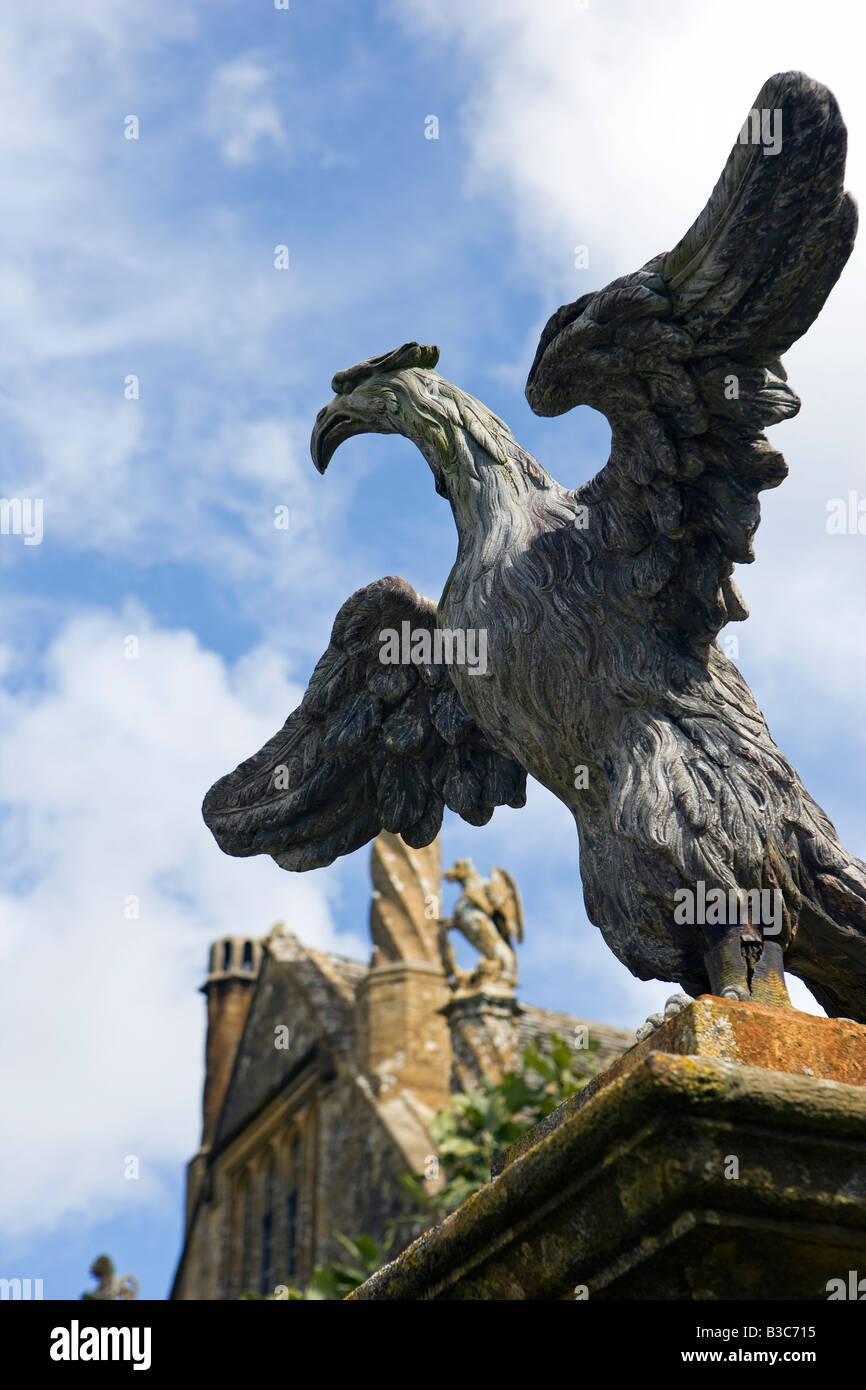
(310, 993)
(536, 1024)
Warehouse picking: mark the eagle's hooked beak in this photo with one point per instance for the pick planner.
(346, 415)
(358, 407)
(334, 424)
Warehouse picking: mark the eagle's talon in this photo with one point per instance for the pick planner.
(676, 1004)
(736, 992)
(652, 1023)
(673, 1005)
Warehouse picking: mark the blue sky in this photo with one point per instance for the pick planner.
(559, 125)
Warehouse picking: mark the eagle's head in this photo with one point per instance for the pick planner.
(382, 395)
(496, 489)
(468, 448)
(463, 869)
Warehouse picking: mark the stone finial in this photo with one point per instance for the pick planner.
(110, 1286)
(405, 908)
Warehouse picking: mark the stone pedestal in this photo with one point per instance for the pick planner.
(483, 1024)
(722, 1158)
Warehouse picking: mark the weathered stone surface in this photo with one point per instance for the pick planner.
(630, 1194)
(234, 968)
(404, 909)
(299, 989)
(403, 1039)
(782, 1040)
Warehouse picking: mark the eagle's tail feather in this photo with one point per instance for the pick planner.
(828, 952)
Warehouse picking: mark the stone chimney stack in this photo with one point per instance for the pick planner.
(232, 974)
(233, 969)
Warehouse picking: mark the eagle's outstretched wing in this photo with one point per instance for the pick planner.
(682, 357)
(371, 747)
(505, 899)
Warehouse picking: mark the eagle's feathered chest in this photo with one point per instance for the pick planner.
(519, 698)
(565, 686)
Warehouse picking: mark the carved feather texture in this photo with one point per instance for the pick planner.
(683, 358)
(372, 746)
(745, 281)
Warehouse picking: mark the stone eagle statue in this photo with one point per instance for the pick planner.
(601, 606)
(489, 914)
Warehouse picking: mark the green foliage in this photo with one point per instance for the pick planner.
(479, 1124)
(489, 1118)
(334, 1281)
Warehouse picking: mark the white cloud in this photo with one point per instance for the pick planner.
(103, 767)
(101, 278)
(572, 121)
(240, 113)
